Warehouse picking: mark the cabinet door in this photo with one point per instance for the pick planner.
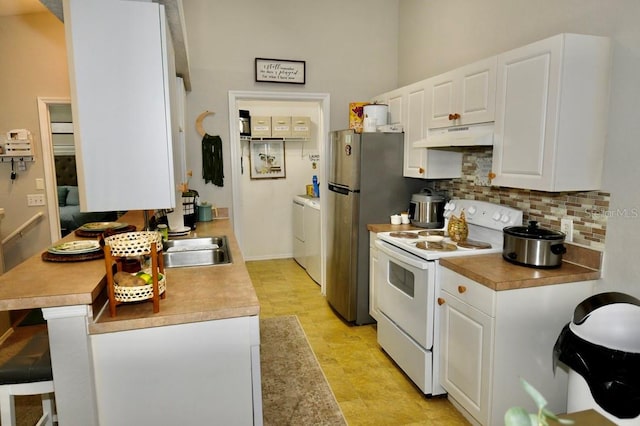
(442, 99)
(527, 91)
(414, 158)
(477, 94)
(467, 92)
(121, 108)
(466, 351)
(550, 127)
(395, 108)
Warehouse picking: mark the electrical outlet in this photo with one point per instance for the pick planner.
(566, 226)
(35, 200)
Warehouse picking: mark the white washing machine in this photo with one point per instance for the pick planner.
(312, 245)
(298, 230)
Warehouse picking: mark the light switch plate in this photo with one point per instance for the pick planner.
(35, 200)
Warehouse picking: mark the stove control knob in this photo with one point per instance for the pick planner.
(505, 218)
(496, 216)
(471, 210)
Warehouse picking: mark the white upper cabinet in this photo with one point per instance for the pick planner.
(463, 96)
(415, 159)
(551, 110)
(407, 106)
(119, 67)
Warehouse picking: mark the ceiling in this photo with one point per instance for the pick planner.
(21, 7)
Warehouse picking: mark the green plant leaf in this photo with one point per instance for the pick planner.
(537, 396)
(518, 416)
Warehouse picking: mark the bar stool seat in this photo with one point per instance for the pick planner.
(28, 373)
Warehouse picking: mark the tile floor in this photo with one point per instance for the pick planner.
(370, 389)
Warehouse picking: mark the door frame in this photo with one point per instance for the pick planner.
(48, 162)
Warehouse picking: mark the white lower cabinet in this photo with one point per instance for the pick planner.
(374, 311)
(466, 352)
(198, 373)
(490, 339)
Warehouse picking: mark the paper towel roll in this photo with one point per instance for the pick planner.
(176, 217)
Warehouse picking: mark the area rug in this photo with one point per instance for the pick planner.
(294, 388)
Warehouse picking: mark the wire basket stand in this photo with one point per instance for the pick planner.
(121, 247)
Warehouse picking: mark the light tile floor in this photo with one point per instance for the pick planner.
(369, 387)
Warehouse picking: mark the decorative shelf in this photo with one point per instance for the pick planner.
(6, 158)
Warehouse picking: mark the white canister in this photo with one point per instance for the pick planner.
(369, 124)
(379, 112)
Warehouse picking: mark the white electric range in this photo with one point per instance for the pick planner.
(407, 283)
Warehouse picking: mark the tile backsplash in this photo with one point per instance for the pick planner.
(588, 210)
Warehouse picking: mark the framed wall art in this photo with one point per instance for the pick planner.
(280, 71)
(267, 160)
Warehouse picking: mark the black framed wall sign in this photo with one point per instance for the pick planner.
(280, 71)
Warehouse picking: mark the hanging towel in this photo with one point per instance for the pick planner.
(212, 170)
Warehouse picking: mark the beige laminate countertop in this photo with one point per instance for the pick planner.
(387, 227)
(496, 273)
(194, 294)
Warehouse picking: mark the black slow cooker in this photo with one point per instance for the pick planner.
(533, 246)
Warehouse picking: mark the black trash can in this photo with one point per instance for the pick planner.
(601, 347)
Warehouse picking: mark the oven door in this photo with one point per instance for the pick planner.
(406, 292)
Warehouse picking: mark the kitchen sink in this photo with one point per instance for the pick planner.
(196, 252)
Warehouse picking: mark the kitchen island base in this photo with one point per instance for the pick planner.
(189, 373)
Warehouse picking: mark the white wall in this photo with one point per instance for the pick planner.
(350, 49)
(33, 63)
(437, 36)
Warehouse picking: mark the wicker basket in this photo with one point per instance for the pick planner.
(138, 293)
(132, 244)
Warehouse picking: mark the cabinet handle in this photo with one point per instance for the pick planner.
(421, 170)
(441, 301)
(461, 289)
(454, 116)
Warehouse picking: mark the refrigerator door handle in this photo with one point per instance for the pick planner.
(339, 189)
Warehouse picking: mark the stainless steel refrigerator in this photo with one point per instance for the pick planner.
(365, 185)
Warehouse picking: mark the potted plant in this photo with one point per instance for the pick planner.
(518, 416)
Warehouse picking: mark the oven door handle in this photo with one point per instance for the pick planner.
(401, 255)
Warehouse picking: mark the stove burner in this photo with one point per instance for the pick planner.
(472, 244)
(428, 245)
(404, 234)
(438, 232)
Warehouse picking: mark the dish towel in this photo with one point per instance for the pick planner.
(212, 170)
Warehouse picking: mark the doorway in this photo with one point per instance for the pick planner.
(262, 208)
(46, 108)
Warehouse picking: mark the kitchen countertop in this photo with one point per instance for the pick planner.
(387, 227)
(494, 272)
(199, 293)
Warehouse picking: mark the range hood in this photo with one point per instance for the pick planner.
(470, 135)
